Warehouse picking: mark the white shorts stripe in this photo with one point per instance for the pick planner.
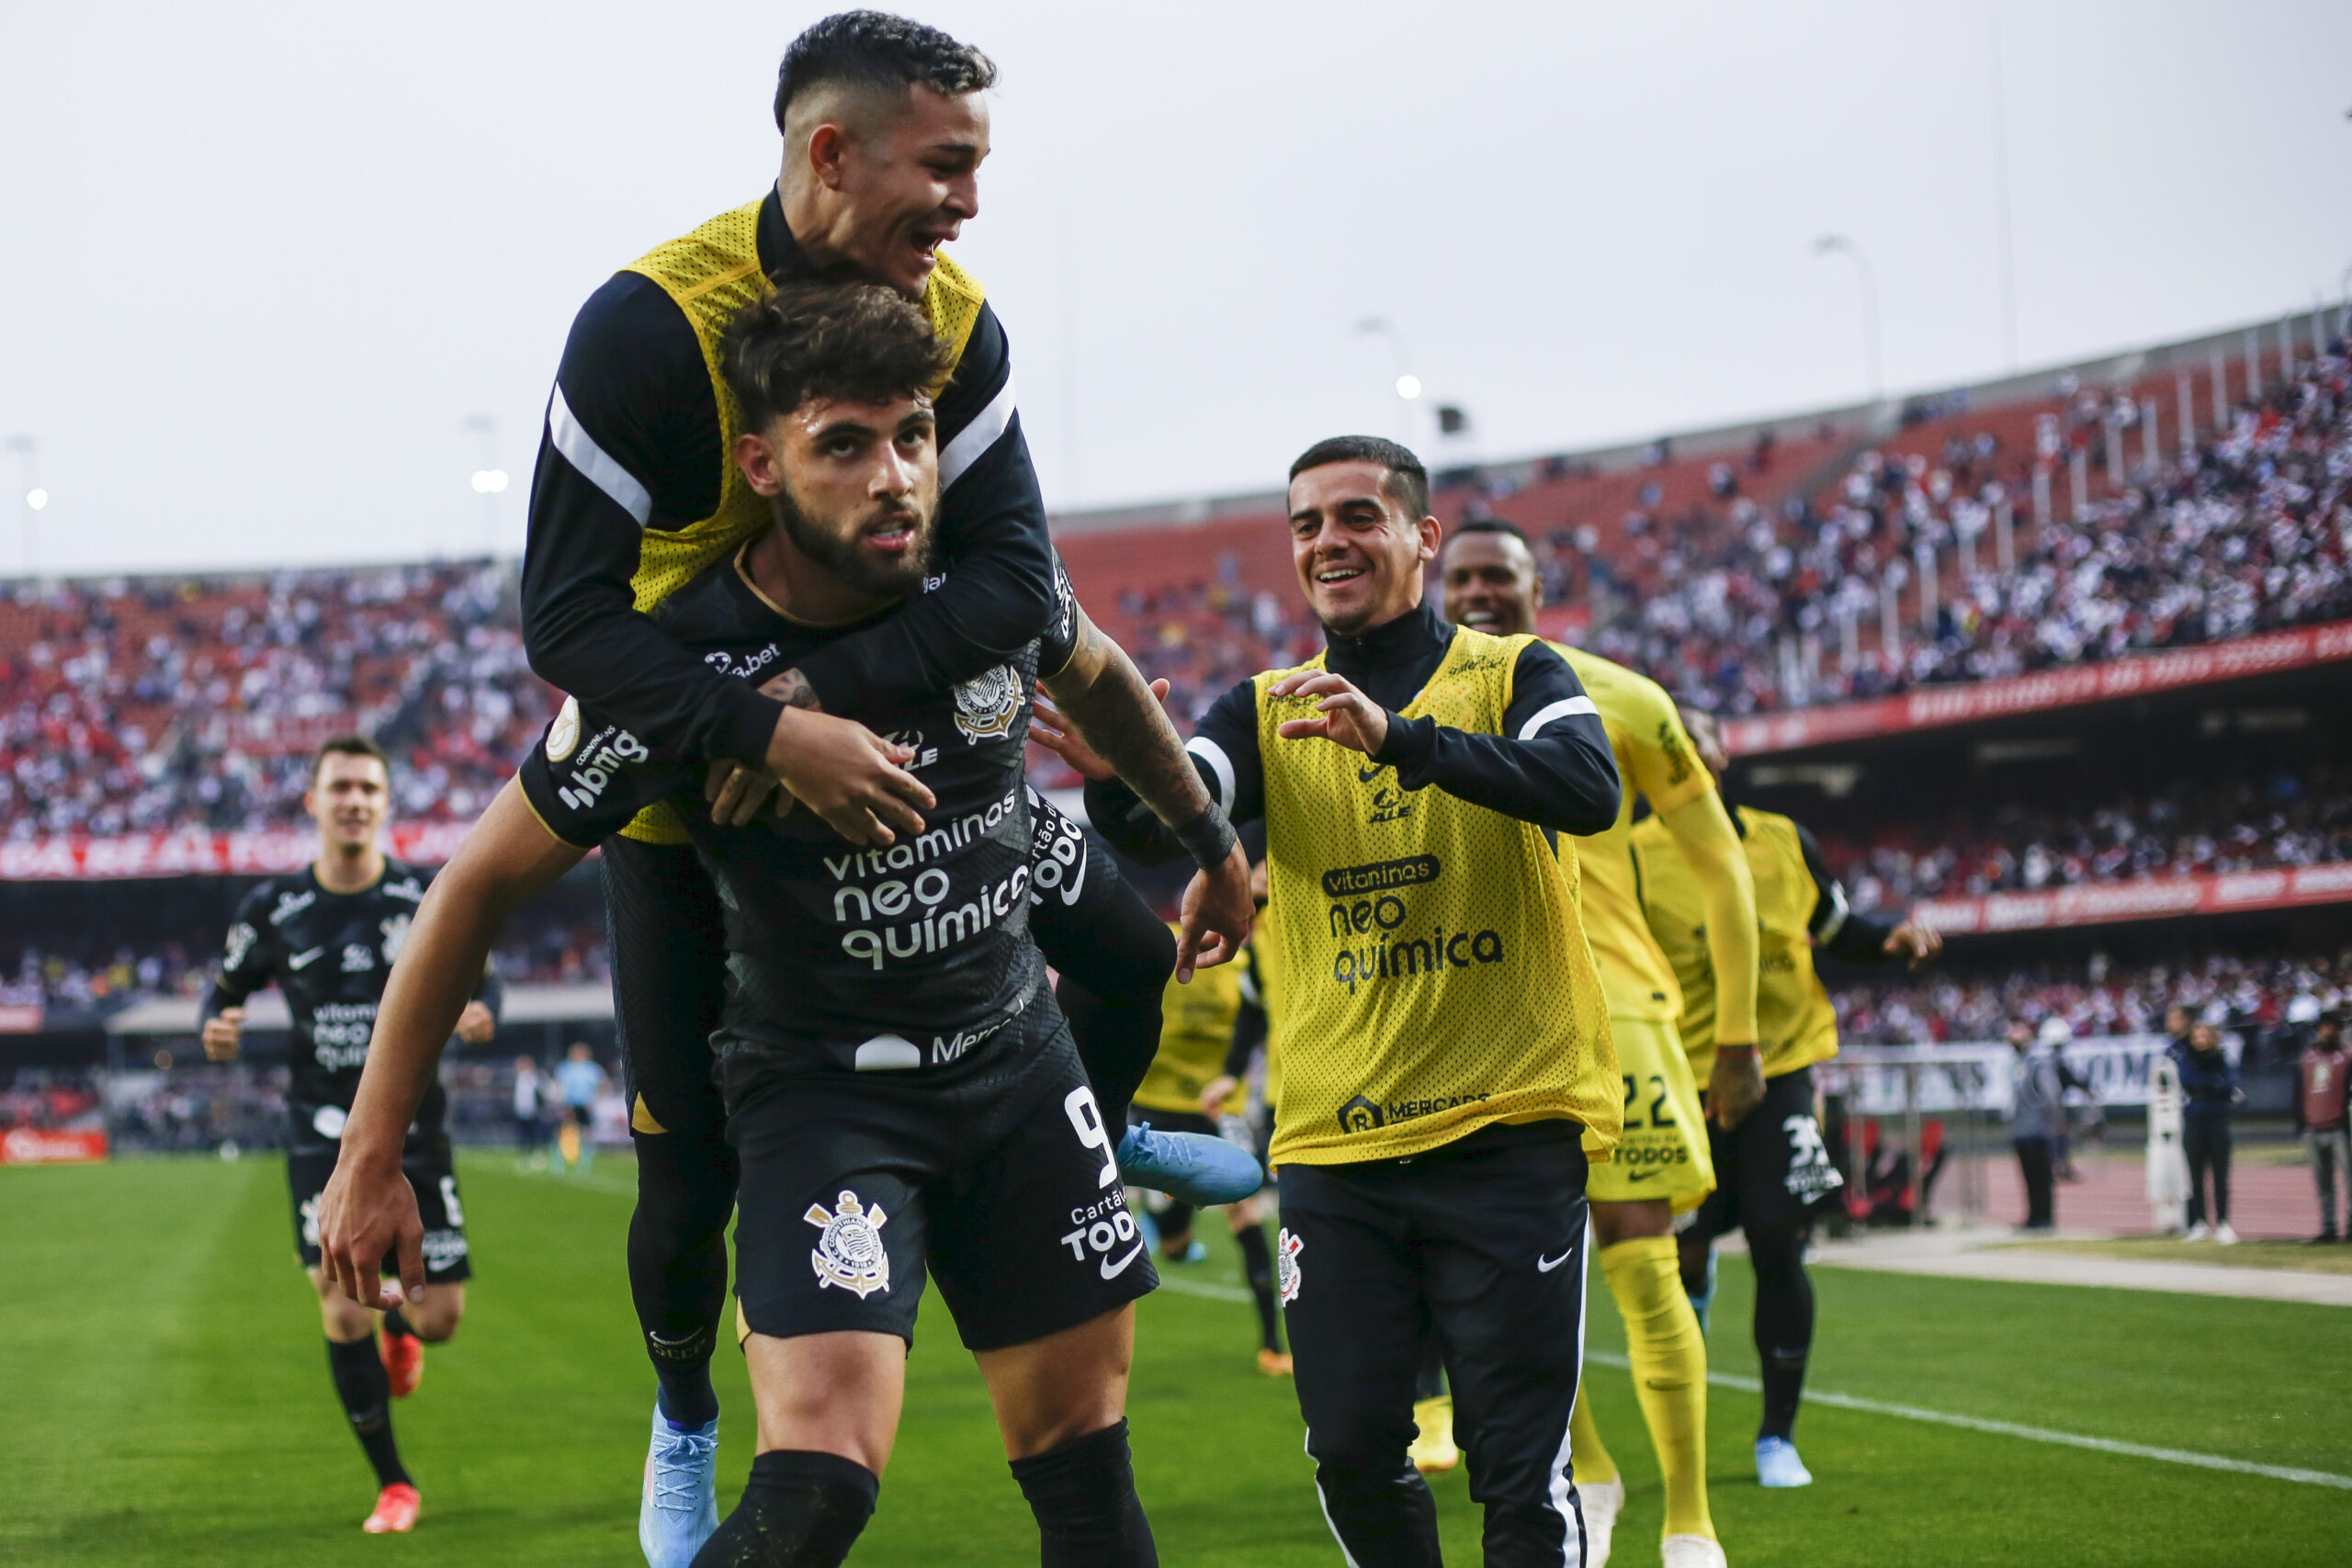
(1221, 765)
(985, 431)
(596, 465)
(1567, 707)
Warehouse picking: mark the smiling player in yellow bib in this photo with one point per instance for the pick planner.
(1447, 1072)
(1662, 1166)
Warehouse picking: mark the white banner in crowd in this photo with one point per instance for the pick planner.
(1884, 1079)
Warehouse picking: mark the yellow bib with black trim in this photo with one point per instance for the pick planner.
(1434, 970)
(713, 273)
(1195, 1032)
(1795, 1024)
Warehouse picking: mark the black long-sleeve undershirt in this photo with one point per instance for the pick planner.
(633, 443)
(1551, 765)
(1856, 939)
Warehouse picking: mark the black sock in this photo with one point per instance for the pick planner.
(1083, 1494)
(1174, 1222)
(1383, 1518)
(1784, 1324)
(677, 1264)
(798, 1510)
(366, 1394)
(1258, 1268)
(1116, 1038)
(396, 1323)
(1430, 1381)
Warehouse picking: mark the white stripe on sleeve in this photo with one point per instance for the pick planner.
(986, 428)
(1567, 707)
(596, 465)
(1838, 910)
(1209, 751)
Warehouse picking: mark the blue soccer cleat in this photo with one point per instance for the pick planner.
(1192, 1167)
(680, 1508)
(1777, 1464)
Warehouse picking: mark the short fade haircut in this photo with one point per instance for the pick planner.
(876, 51)
(1408, 483)
(1493, 525)
(859, 342)
(350, 746)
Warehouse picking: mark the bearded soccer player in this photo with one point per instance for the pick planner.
(898, 1081)
(885, 127)
(327, 937)
(1661, 1166)
(1446, 1066)
(1772, 1167)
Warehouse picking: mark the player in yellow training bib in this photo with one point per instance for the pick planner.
(1662, 1166)
(1447, 1071)
(1772, 1167)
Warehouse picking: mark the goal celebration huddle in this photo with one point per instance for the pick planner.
(1523, 998)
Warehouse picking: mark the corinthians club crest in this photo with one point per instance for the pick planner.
(986, 704)
(849, 1253)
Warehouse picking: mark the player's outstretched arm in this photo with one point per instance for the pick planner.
(1702, 831)
(1105, 698)
(368, 1208)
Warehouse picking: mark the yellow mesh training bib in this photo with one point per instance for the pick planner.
(1434, 972)
(1795, 1024)
(713, 273)
(1195, 1032)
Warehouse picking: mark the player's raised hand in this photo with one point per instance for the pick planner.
(1345, 716)
(736, 792)
(1914, 941)
(221, 1032)
(848, 775)
(1051, 728)
(477, 1024)
(1214, 919)
(367, 1211)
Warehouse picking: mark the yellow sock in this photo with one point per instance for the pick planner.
(1669, 1360)
(1588, 1457)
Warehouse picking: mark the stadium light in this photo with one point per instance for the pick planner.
(36, 498)
(1829, 244)
(490, 481)
(1408, 386)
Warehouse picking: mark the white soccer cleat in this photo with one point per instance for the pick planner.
(1777, 1464)
(1690, 1552)
(2201, 1230)
(1604, 1501)
(2224, 1234)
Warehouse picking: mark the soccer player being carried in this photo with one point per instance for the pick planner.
(1446, 1068)
(327, 936)
(885, 126)
(1661, 1167)
(900, 1083)
(1771, 1167)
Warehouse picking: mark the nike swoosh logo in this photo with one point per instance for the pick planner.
(1069, 894)
(1633, 1176)
(304, 959)
(1113, 1271)
(1365, 775)
(1544, 1266)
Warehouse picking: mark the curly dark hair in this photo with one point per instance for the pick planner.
(1408, 482)
(876, 49)
(857, 341)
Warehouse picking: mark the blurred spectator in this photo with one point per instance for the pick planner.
(2321, 1116)
(2210, 1092)
(2036, 1115)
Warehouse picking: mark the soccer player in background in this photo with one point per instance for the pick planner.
(327, 936)
(885, 127)
(1446, 1067)
(1661, 1166)
(899, 1080)
(582, 1080)
(1771, 1167)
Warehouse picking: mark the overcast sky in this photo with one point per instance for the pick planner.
(263, 261)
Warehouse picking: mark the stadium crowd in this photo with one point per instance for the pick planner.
(2020, 845)
(2269, 1002)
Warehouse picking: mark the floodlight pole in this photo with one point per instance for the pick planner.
(1402, 356)
(1839, 245)
(31, 496)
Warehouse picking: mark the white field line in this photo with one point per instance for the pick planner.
(2030, 1434)
(1184, 1287)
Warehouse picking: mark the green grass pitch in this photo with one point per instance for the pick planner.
(166, 1403)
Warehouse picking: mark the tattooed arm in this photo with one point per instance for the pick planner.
(1102, 693)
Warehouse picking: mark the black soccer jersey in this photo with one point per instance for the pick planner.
(330, 953)
(905, 958)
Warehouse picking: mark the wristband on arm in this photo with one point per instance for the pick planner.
(1208, 838)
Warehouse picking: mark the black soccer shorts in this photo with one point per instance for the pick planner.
(1772, 1167)
(430, 1168)
(1004, 1188)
